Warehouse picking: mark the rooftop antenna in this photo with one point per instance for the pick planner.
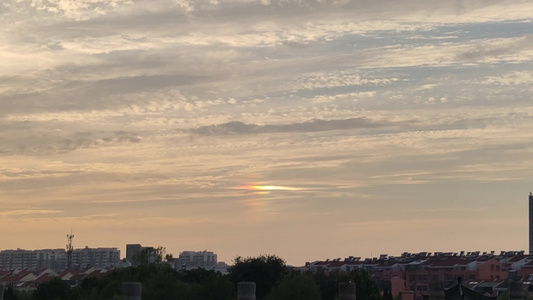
(70, 237)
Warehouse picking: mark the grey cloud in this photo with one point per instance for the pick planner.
(314, 125)
(142, 83)
(482, 51)
(34, 142)
(55, 46)
(294, 44)
(158, 22)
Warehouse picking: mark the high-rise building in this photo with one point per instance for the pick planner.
(530, 223)
(133, 251)
(96, 257)
(19, 259)
(196, 259)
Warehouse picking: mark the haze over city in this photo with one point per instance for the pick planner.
(305, 129)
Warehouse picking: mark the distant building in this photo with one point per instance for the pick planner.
(196, 259)
(530, 223)
(19, 259)
(133, 251)
(96, 258)
(56, 259)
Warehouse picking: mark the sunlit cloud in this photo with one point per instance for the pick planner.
(30, 212)
(270, 188)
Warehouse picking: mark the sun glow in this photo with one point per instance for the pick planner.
(269, 188)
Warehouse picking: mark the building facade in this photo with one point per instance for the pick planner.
(95, 258)
(33, 259)
(530, 223)
(133, 251)
(56, 259)
(196, 259)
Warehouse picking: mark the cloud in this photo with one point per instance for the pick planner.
(499, 49)
(29, 212)
(512, 78)
(54, 142)
(315, 125)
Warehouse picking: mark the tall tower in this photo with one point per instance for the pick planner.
(530, 223)
(70, 237)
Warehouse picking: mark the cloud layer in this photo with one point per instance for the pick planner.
(147, 117)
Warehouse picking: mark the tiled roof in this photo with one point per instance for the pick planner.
(97, 273)
(516, 258)
(336, 264)
(459, 292)
(45, 278)
(449, 262)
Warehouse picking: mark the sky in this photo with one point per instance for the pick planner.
(305, 129)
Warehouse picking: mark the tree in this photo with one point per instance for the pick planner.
(265, 270)
(296, 287)
(162, 284)
(55, 289)
(366, 288)
(387, 295)
(208, 284)
(151, 255)
(9, 293)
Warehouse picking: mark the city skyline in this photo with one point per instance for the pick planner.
(304, 129)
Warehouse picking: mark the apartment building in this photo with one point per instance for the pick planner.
(96, 258)
(196, 259)
(56, 259)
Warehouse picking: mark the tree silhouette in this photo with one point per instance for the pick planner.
(265, 270)
(295, 287)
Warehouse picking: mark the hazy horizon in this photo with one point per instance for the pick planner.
(305, 129)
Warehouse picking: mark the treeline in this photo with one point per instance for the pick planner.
(274, 281)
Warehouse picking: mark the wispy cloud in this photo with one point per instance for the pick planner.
(309, 126)
(29, 212)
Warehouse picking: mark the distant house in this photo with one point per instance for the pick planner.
(460, 292)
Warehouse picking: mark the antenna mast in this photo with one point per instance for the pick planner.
(70, 237)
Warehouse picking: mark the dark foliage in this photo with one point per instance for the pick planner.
(9, 294)
(161, 282)
(366, 288)
(295, 287)
(55, 289)
(265, 270)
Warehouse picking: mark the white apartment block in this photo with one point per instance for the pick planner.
(196, 259)
(56, 259)
(95, 258)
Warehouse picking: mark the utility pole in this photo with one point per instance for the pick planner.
(70, 237)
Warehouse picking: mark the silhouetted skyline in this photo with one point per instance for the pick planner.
(305, 129)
